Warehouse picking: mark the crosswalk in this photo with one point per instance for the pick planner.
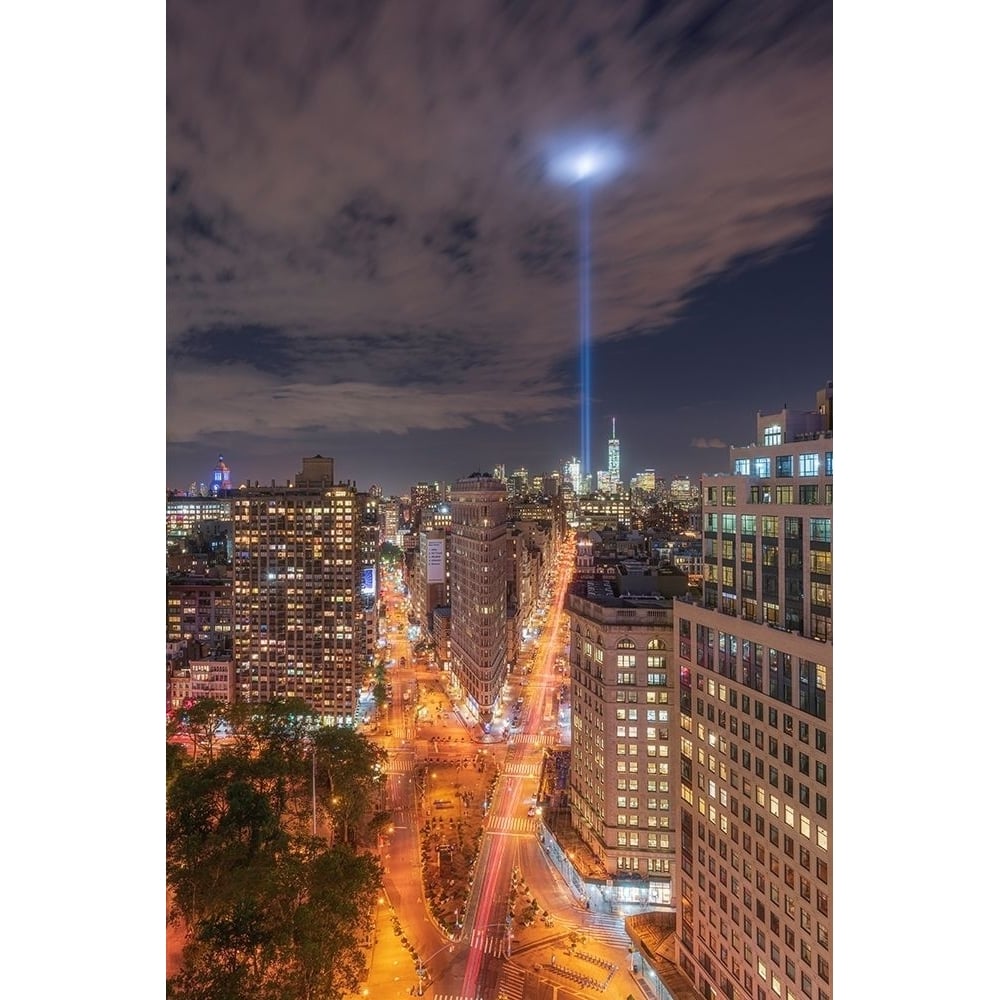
(453, 996)
(489, 944)
(534, 739)
(521, 770)
(511, 986)
(399, 765)
(605, 928)
(510, 824)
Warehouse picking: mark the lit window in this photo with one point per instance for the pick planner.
(809, 464)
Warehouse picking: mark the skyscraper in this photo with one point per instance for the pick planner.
(614, 460)
(572, 473)
(754, 667)
(297, 623)
(479, 590)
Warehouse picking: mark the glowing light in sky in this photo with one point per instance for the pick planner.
(585, 165)
(590, 163)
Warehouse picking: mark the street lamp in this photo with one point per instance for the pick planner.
(583, 167)
(421, 965)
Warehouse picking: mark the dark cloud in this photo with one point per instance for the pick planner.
(359, 192)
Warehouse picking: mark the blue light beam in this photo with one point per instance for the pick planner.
(585, 165)
(585, 319)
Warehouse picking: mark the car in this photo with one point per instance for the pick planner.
(531, 810)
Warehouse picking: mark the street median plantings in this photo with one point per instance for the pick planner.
(451, 834)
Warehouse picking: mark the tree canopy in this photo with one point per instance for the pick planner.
(272, 912)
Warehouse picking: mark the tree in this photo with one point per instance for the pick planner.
(201, 722)
(295, 931)
(279, 724)
(273, 913)
(391, 554)
(351, 771)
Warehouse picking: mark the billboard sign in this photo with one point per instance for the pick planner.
(435, 560)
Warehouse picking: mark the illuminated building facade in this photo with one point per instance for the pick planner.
(368, 554)
(614, 460)
(388, 520)
(644, 481)
(605, 511)
(200, 610)
(680, 490)
(479, 590)
(754, 669)
(214, 678)
(221, 482)
(572, 473)
(422, 495)
(297, 617)
(517, 484)
(188, 516)
(624, 712)
(437, 517)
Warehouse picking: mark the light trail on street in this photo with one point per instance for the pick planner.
(489, 906)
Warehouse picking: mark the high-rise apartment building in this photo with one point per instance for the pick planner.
(614, 460)
(753, 666)
(479, 590)
(624, 709)
(298, 627)
(422, 495)
(388, 520)
(517, 484)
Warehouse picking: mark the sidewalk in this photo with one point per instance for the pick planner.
(391, 972)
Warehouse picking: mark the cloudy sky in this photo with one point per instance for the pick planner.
(368, 258)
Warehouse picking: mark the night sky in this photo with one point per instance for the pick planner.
(368, 258)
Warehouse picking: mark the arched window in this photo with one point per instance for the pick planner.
(626, 644)
(656, 644)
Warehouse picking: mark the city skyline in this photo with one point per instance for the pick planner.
(87, 218)
(367, 258)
